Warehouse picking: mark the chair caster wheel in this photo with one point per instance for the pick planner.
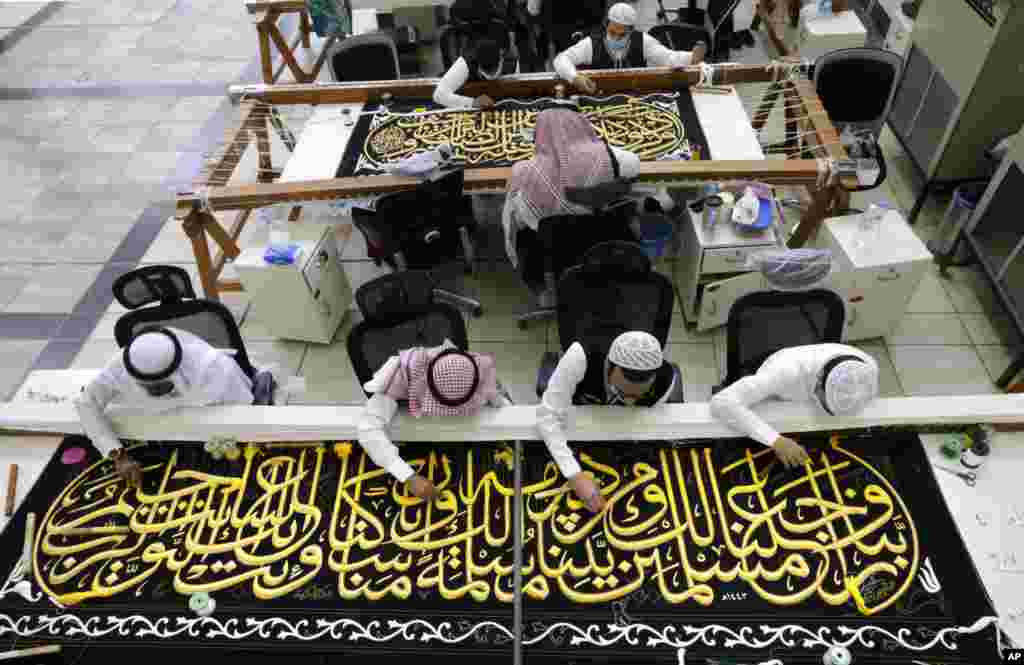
(478, 312)
(522, 325)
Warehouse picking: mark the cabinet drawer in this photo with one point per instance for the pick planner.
(898, 277)
(728, 259)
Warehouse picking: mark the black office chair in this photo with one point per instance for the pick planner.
(713, 26)
(400, 312)
(614, 290)
(564, 23)
(179, 307)
(762, 323)
(460, 36)
(423, 228)
(369, 57)
(856, 86)
(558, 244)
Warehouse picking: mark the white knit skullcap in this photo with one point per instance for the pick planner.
(850, 385)
(622, 14)
(151, 353)
(636, 350)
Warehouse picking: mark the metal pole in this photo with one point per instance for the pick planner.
(517, 578)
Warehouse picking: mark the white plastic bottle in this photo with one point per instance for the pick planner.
(277, 229)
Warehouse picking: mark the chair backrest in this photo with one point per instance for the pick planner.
(369, 57)
(561, 241)
(149, 284)
(680, 36)
(400, 313)
(612, 291)
(422, 223)
(857, 86)
(764, 322)
(206, 319)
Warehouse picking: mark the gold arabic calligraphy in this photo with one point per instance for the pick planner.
(496, 136)
(693, 528)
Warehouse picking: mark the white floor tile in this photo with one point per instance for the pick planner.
(970, 292)
(941, 329)
(16, 358)
(930, 297)
(95, 353)
(997, 358)
(997, 330)
(699, 365)
(940, 370)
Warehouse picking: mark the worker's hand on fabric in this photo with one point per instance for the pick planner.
(513, 51)
(128, 470)
(586, 491)
(699, 52)
(422, 488)
(484, 102)
(585, 84)
(790, 452)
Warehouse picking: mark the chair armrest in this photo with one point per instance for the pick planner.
(263, 387)
(548, 363)
(677, 390)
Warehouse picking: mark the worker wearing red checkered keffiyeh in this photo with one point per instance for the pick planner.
(440, 381)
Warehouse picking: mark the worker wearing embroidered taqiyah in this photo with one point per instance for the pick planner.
(617, 45)
(440, 381)
(633, 373)
(839, 379)
(159, 370)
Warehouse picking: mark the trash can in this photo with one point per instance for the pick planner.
(958, 214)
(655, 232)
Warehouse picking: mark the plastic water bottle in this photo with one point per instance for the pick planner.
(871, 225)
(277, 230)
(824, 7)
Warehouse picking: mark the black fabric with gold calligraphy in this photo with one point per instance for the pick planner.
(709, 550)
(659, 126)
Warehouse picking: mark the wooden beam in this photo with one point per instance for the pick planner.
(649, 79)
(254, 6)
(286, 53)
(257, 195)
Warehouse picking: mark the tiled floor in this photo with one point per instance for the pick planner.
(105, 107)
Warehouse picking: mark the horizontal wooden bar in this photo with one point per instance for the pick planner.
(257, 195)
(254, 6)
(589, 423)
(613, 81)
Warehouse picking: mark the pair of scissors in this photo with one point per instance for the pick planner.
(969, 477)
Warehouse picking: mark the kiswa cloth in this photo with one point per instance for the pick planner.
(711, 548)
(657, 126)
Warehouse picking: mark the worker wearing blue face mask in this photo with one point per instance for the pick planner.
(618, 45)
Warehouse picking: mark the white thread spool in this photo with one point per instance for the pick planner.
(837, 655)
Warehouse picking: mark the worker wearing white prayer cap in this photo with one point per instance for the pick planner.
(634, 373)
(617, 45)
(159, 370)
(839, 379)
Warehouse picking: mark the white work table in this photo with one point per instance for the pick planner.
(996, 498)
(324, 138)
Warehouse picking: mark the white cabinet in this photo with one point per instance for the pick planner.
(711, 272)
(306, 300)
(877, 279)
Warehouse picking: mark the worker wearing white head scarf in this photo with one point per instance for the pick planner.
(160, 370)
(633, 373)
(618, 45)
(839, 379)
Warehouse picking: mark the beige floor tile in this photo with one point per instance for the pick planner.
(970, 292)
(499, 325)
(930, 297)
(517, 368)
(16, 358)
(997, 358)
(699, 365)
(329, 377)
(940, 329)
(120, 139)
(95, 353)
(104, 327)
(170, 246)
(888, 380)
(940, 370)
(54, 289)
(991, 330)
(283, 357)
